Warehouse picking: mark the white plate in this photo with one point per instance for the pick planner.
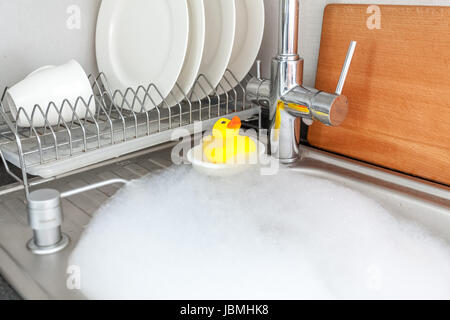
(220, 31)
(194, 54)
(139, 42)
(200, 164)
(247, 42)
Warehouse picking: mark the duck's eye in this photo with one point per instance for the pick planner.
(223, 122)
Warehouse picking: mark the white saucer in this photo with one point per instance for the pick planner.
(141, 42)
(196, 158)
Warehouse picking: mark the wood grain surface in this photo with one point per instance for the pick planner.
(398, 87)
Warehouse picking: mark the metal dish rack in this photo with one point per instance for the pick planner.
(116, 128)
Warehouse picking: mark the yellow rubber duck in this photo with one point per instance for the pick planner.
(225, 144)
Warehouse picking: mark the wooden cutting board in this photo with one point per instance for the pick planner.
(398, 87)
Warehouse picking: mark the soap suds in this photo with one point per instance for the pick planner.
(182, 235)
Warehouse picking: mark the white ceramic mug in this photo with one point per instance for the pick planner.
(51, 84)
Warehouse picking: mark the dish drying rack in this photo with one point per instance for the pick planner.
(115, 129)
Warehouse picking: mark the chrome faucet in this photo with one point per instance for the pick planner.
(286, 97)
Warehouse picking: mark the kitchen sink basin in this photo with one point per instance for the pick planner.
(46, 277)
(411, 198)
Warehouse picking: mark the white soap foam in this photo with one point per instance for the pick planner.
(182, 235)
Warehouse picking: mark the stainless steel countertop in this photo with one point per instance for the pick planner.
(6, 291)
(44, 277)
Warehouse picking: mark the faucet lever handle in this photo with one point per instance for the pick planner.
(345, 68)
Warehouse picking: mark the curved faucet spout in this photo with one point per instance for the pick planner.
(288, 28)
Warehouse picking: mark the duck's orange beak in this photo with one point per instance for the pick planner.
(235, 123)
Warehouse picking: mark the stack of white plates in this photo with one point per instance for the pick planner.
(171, 42)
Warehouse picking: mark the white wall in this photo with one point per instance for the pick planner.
(34, 33)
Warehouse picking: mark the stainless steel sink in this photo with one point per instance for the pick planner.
(411, 198)
(45, 277)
